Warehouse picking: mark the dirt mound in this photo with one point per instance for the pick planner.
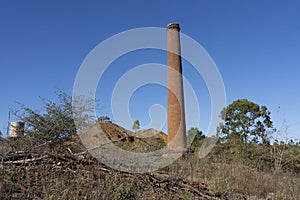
(141, 141)
(65, 170)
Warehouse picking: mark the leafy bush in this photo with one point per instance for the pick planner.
(55, 121)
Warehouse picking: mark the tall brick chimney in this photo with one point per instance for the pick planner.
(176, 114)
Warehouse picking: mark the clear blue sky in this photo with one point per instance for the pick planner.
(255, 45)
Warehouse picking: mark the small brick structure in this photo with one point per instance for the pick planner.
(176, 113)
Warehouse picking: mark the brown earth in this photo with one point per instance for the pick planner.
(32, 169)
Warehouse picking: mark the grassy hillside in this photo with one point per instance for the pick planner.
(43, 169)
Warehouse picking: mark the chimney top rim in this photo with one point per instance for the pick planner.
(174, 25)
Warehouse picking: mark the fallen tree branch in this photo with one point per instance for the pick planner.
(165, 178)
(27, 160)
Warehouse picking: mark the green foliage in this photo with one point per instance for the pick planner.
(245, 122)
(104, 118)
(136, 125)
(55, 120)
(285, 156)
(195, 138)
(252, 172)
(125, 193)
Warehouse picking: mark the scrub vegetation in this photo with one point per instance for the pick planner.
(251, 160)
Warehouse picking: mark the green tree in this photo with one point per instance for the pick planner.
(195, 137)
(244, 122)
(55, 120)
(136, 125)
(104, 118)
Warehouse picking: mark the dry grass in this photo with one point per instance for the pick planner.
(233, 180)
(216, 176)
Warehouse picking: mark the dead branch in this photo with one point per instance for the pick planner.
(166, 179)
(26, 160)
